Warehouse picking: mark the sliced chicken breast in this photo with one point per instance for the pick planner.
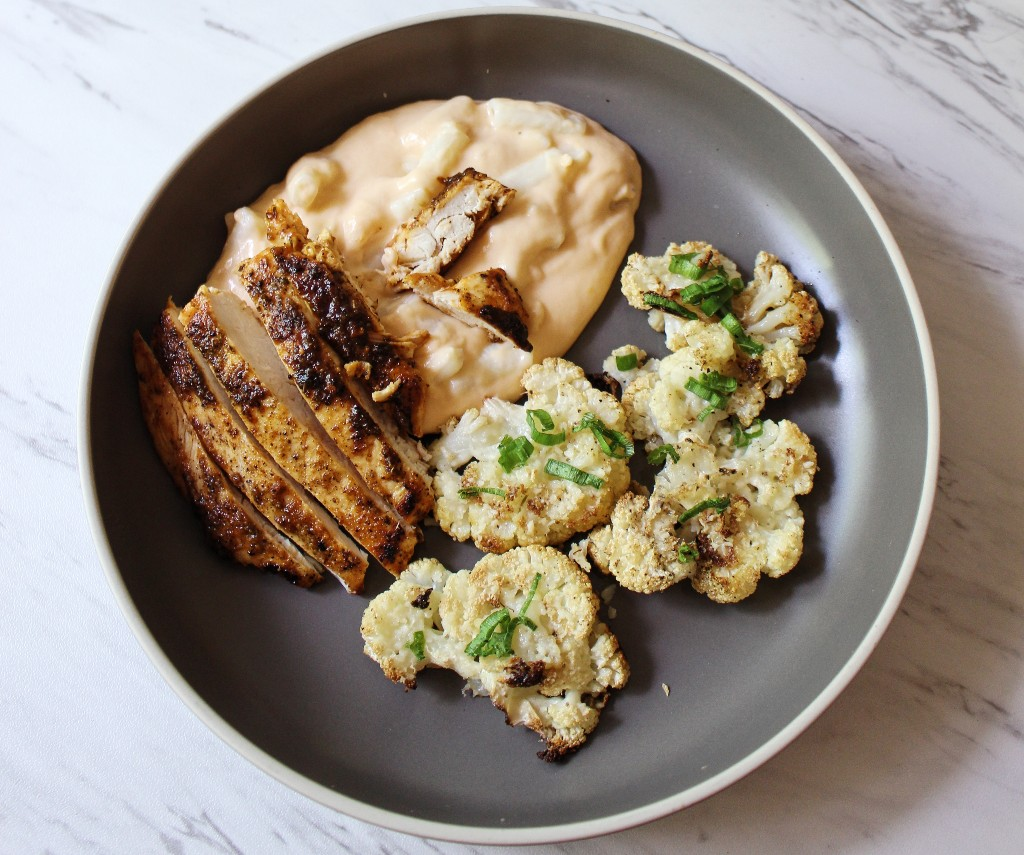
(245, 462)
(232, 340)
(434, 238)
(387, 460)
(487, 300)
(235, 526)
(347, 320)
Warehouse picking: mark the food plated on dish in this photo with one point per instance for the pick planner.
(278, 672)
(291, 399)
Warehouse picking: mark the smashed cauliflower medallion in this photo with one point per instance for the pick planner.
(515, 475)
(721, 514)
(521, 628)
(753, 336)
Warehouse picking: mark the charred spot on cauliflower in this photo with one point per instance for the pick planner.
(547, 660)
(515, 475)
(722, 514)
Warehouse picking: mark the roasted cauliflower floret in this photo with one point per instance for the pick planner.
(771, 322)
(647, 274)
(639, 546)
(776, 306)
(721, 514)
(776, 311)
(501, 486)
(521, 628)
(660, 407)
(625, 364)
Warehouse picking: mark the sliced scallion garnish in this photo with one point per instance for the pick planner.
(513, 452)
(658, 456)
(529, 599)
(610, 440)
(687, 552)
(714, 388)
(741, 438)
(683, 265)
(710, 306)
(498, 629)
(568, 472)
(707, 411)
(539, 434)
(481, 642)
(470, 492)
(417, 645)
(722, 383)
(626, 361)
(705, 288)
(719, 504)
(744, 341)
(656, 301)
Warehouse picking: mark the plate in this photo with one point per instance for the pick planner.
(278, 672)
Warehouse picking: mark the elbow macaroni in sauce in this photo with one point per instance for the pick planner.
(560, 240)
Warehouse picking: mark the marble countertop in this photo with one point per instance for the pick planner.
(924, 752)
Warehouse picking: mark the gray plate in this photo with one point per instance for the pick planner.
(278, 672)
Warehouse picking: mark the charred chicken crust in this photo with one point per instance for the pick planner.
(488, 300)
(346, 318)
(233, 524)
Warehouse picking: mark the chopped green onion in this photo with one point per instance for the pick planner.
(417, 645)
(713, 304)
(705, 288)
(687, 552)
(722, 383)
(741, 438)
(657, 301)
(626, 361)
(482, 640)
(745, 342)
(715, 399)
(498, 629)
(513, 452)
(610, 440)
(707, 411)
(719, 504)
(542, 416)
(683, 264)
(657, 457)
(546, 424)
(568, 472)
(714, 388)
(470, 492)
(529, 599)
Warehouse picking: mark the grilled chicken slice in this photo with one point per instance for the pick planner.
(434, 238)
(232, 340)
(388, 461)
(487, 300)
(232, 522)
(347, 320)
(244, 461)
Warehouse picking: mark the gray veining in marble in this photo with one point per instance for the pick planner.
(924, 752)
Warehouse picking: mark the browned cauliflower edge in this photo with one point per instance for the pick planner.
(757, 337)
(721, 515)
(548, 662)
(479, 498)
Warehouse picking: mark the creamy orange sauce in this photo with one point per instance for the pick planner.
(560, 240)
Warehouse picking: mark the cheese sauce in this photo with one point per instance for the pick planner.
(560, 240)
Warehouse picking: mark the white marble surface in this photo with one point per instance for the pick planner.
(924, 752)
